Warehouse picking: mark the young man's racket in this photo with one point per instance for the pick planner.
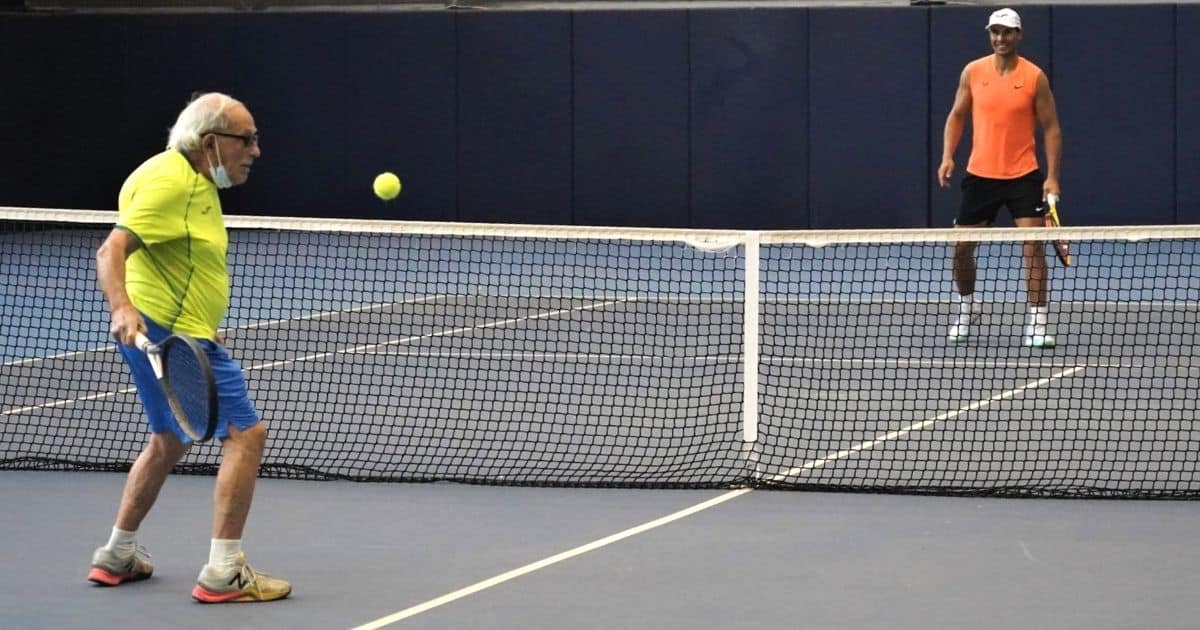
(187, 380)
(1060, 247)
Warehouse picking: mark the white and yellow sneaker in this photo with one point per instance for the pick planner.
(239, 583)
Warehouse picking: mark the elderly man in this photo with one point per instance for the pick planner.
(163, 271)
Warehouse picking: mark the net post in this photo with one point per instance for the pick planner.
(750, 354)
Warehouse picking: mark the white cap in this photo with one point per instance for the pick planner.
(1005, 17)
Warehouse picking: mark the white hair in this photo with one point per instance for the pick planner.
(206, 112)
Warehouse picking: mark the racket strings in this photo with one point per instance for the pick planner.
(189, 386)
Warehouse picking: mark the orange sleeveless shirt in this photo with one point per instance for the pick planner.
(1003, 119)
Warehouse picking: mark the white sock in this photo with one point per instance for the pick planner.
(966, 304)
(223, 553)
(1037, 316)
(122, 541)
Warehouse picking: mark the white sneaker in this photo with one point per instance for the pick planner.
(111, 568)
(1037, 337)
(961, 330)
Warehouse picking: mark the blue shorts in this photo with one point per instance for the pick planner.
(233, 403)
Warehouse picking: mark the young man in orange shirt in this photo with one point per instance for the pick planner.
(1006, 97)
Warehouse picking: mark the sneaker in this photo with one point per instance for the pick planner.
(1037, 337)
(239, 583)
(961, 330)
(111, 568)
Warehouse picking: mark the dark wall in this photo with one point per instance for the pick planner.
(1187, 115)
(749, 123)
(1121, 110)
(867, 109)
(762, 118)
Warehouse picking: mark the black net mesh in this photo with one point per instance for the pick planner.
(539, 356)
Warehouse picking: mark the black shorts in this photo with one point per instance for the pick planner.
(983, 196)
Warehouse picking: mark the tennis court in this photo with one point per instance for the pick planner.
(619, 361)
(357, 553)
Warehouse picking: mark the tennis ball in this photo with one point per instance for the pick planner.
(387, 186)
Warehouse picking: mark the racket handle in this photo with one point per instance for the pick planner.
(152, 354)
(1052, 199)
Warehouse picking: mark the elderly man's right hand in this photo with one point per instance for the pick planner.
(126, 324)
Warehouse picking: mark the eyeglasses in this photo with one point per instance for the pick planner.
(250, 139)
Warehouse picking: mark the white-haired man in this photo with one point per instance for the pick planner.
(163, 271)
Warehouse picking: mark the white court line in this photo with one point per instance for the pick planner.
(68, 401)
(321, 315)
(917, 426)
(440, 333)
(65, 355)
(667, 299)
(322, 355)
(699, 507)
(369, 307)
(545, 562)
(359, 309)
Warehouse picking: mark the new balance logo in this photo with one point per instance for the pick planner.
(239, 580)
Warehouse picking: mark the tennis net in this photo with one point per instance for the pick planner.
(570, 356)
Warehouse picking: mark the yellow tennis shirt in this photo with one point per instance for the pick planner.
(179, 276)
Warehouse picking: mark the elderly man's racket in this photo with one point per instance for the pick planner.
(186, 378)
(1060, 247)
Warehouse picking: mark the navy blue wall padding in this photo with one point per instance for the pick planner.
(749, 134)
(868, 118)
(74, 114)
(764, 118)
(631, 118)
(400, 100)
(514, 117)
(17, 138)
(162, 64)
(1117, 107)
(958, 36)
(304, 139)
(1187, 116)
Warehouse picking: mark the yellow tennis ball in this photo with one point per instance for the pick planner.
(387, 186)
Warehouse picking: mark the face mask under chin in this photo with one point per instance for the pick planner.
(219, 175)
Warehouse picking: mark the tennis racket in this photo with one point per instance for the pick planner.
(186, 377)
(1060, 247)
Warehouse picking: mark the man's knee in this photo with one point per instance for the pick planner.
(254, 437)
(165, 448)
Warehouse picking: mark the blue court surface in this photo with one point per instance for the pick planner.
(461, 556)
